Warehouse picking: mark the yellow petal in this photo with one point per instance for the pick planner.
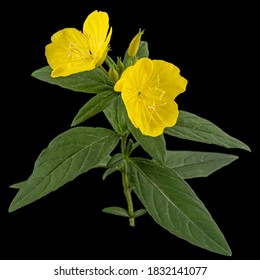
(149, 88)
(68, 53)
(95, 28)
(72, 51)
(169, 78)
(137, 74)
(152, 120)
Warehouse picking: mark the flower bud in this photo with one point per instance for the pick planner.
(120, 66)
(134, 45)
(113, 75)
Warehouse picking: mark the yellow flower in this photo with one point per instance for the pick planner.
(72, 51)
(149, 88)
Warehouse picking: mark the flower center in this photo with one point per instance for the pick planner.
(76, 52)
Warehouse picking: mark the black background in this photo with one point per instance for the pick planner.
(214, 45)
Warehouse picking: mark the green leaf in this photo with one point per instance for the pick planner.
(94, 81)
(190, 164)
(118, 211)
(115, 164)
(115, 114)
(131, 146)
(139, 213)
(194, 128)
(101, 164)
(109, 171)
(94, 106)
(116, 160)
(154, 146)
(67, 156)
(174, 205)
(143, 50)
(18, 185)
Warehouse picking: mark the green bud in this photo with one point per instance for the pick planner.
(113, 75)
(120, 66)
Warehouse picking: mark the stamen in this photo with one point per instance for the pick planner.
(74, 50)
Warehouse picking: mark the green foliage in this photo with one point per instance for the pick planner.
(159, 181)
(174, 205)
(190, 164)
(194, 128)
(67, 156)
(114, 164)
(118, 211)
(95, 105)
(94, 81)
(154, 146)
(115, 114)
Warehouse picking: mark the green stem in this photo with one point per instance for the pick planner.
(127, 193)
(110, 62)
(127, 189)
(103, 69)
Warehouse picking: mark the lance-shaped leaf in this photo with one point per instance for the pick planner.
(116, 115)
(101, 164)
(174, 205)
(191, 127)
(95, 105)
(193, 164)
(94, 81)
(18, 185)
(118, 211)
(154, 146)
(66, 157)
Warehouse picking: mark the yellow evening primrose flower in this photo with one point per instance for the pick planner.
(149, 88)
(72, 51)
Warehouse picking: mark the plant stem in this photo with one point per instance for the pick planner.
(127, 193)
(103, 69)
(109, 62)
(127, 189)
